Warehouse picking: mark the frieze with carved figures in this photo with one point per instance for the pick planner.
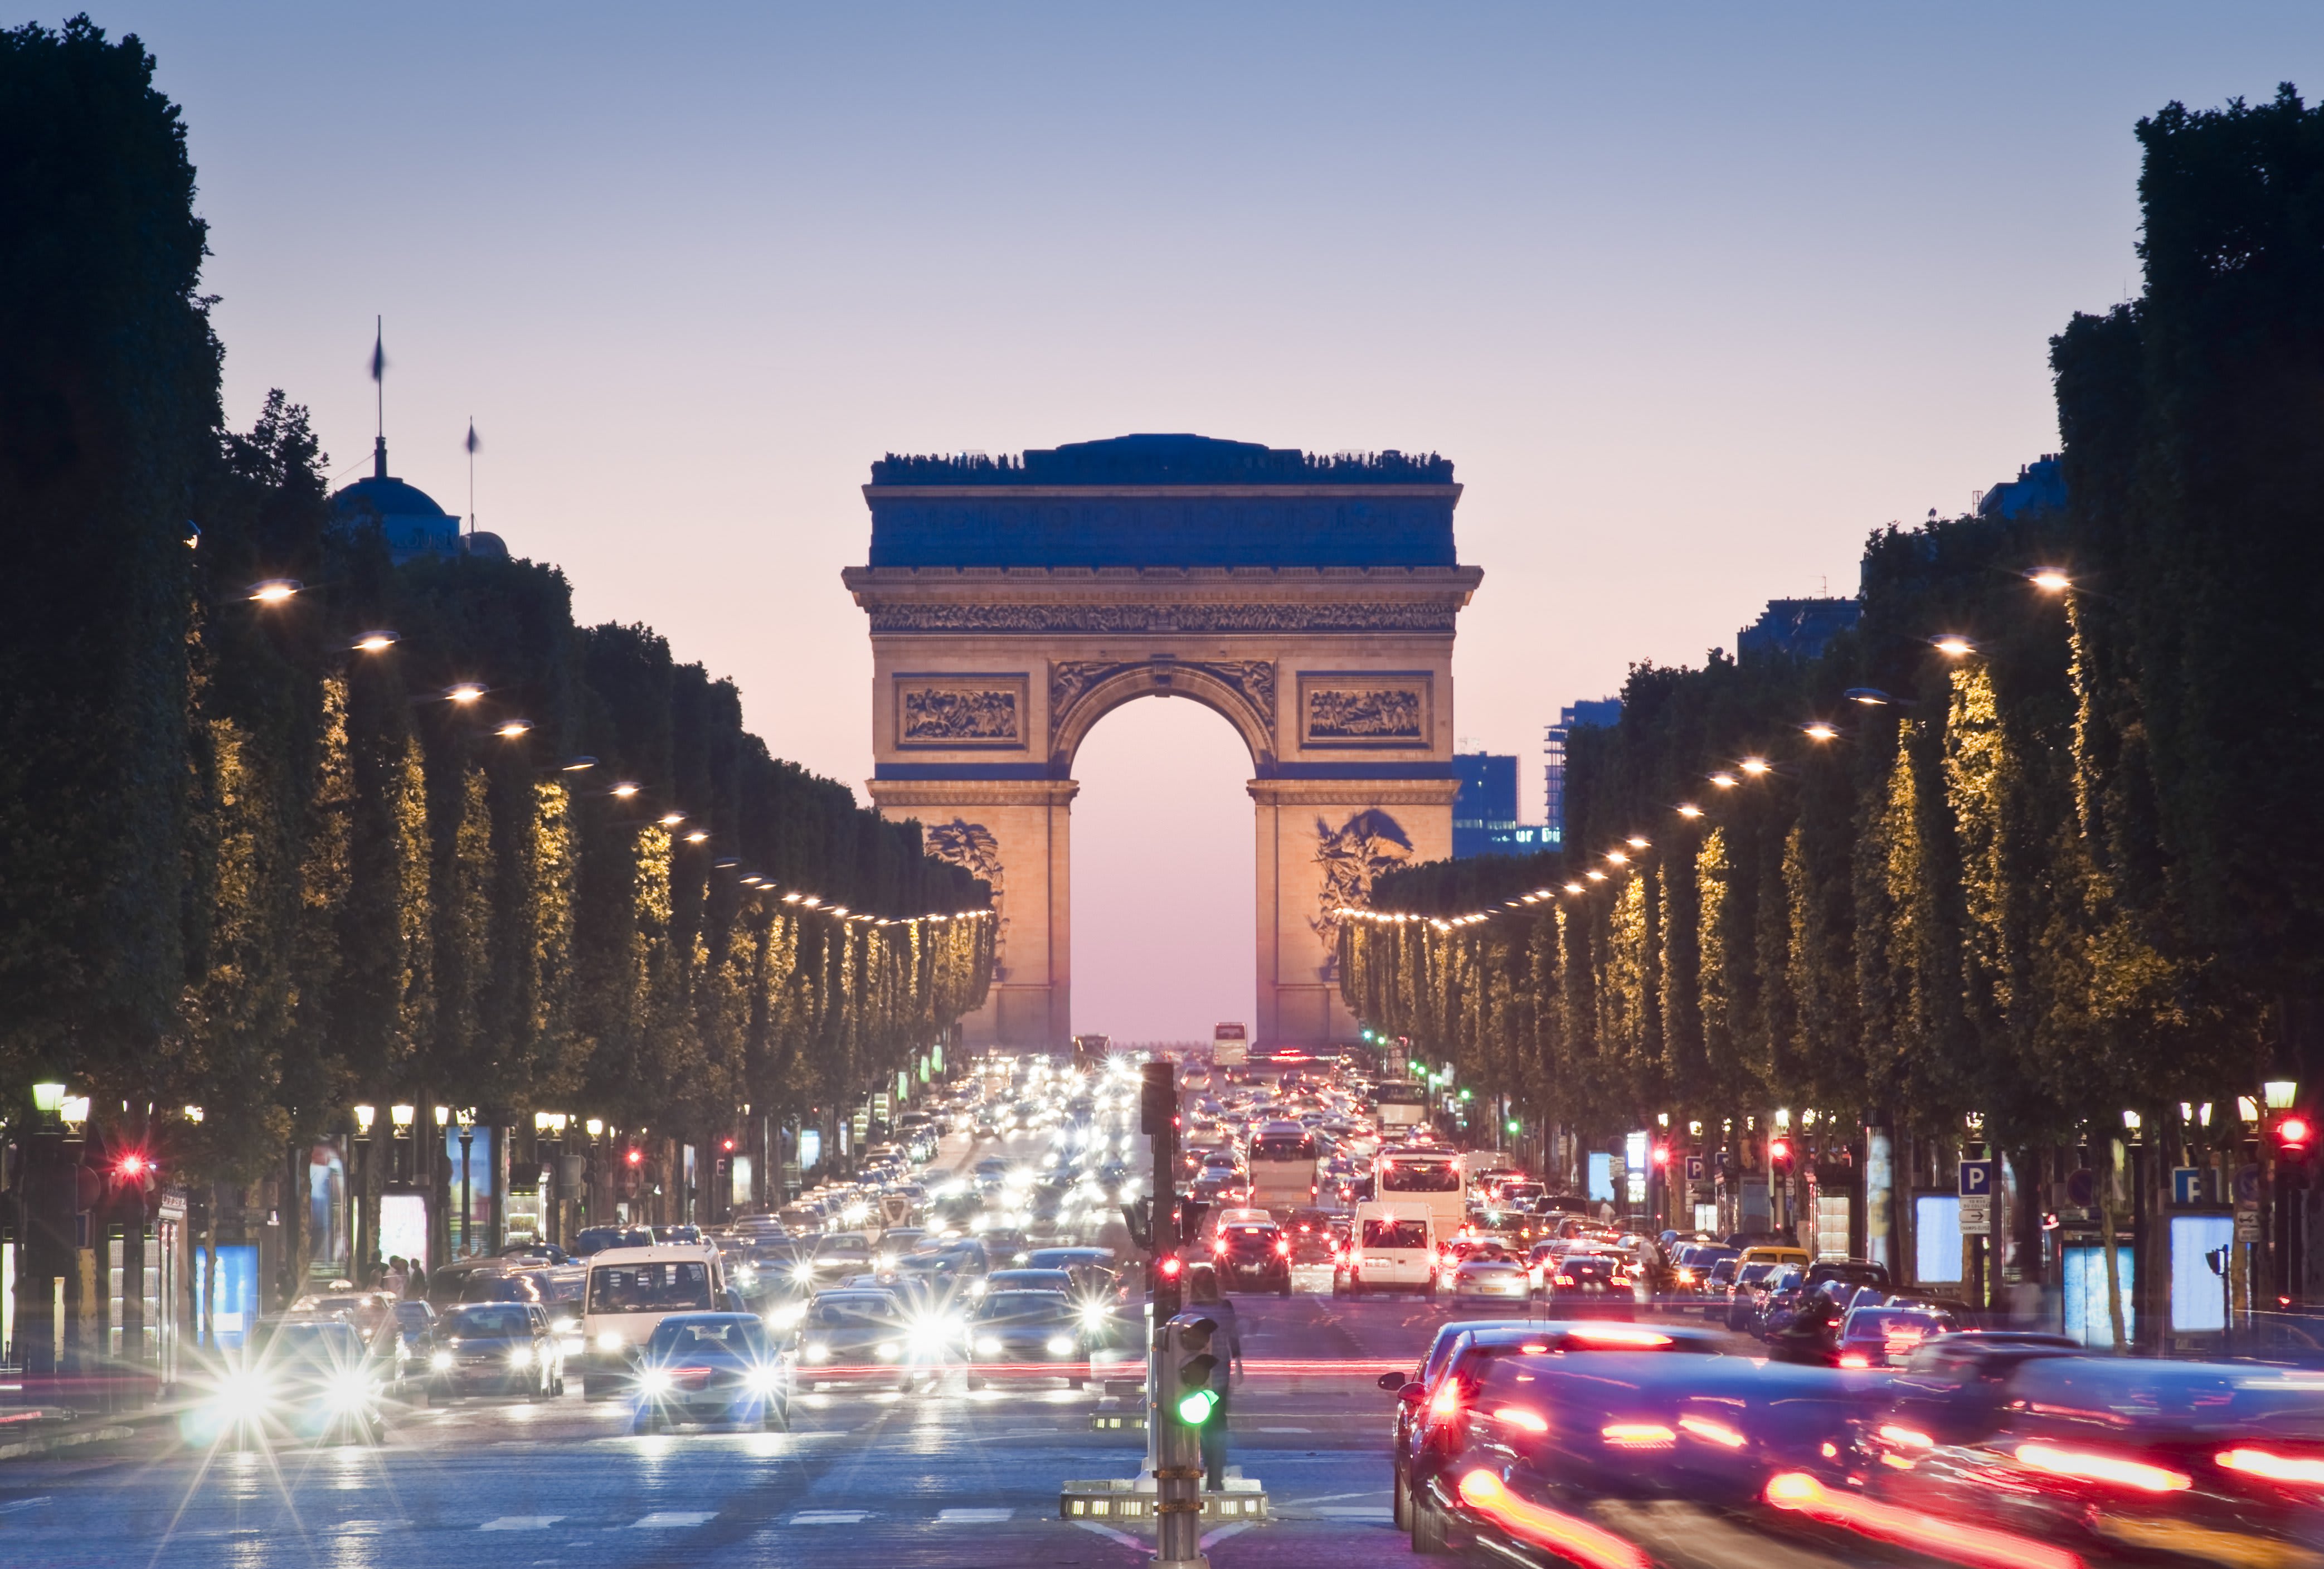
(1364, 708)
(956, 711)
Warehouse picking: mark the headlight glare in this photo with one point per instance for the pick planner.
(610, 1343)
(520, 1356)
(440, 1361)
(1061, 1345)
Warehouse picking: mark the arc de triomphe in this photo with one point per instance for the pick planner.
(1310, 601)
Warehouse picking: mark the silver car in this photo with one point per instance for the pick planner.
(1481, 1281)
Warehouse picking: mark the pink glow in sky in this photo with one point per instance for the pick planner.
(1694, 298)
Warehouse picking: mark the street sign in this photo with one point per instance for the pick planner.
(2247, 1188)
(2186, 1186)
(1976, 1179)
(1694, 1169)
(2082, 1188)
(2247, 1225)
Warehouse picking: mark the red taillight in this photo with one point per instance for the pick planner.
(1854, 1359)
(1283, 1249)
(1976, 1545)
(1446, 1402)
(2087, 1465)
(2271, 1467)
(1637, 1435)
(1563, 1535)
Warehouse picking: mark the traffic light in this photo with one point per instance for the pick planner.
(1187, 1365)
(1158, 1101)
(636, 1159)
(2295, 1137)
(1779, 1156)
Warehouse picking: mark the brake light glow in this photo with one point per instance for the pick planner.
(1906, 1437)
(1534, 1348)
(1446, 1402)
(1283, 1250)
(1519, 1417)
(1854, 1359)
(1712, 1432)
(1591, 1546)
(2271, 1467)
(2084, 1465)
(1637, 1435)
(1977, 1546)
(1562, 1278)
(1618, 1334)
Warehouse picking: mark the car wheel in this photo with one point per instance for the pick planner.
(1283, 1289)
(1427, 1525)
(1400, 1504)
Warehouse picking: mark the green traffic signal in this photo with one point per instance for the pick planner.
(1196, 1406)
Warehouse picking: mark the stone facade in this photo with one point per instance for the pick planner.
(985, 681)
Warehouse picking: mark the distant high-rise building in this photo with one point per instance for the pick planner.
(1605, 712)
(1802, 628)
(1487, 802)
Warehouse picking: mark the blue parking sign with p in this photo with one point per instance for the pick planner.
(1976, 1178)
(1694, 1169)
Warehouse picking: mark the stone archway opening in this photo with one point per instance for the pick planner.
(1162, 875)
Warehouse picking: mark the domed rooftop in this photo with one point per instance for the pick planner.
(387, 496)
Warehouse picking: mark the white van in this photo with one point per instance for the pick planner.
(630, 1290)
(1391, 1247)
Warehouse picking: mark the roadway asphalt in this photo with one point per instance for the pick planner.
(940, 1476)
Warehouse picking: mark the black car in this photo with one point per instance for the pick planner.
(1028, 1334)
(711, 1367)
(1253, 1257)
(496, 1347)
(1586, 1281)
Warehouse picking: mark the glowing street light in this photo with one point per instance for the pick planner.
(1723, 779)
(1689, 809)
(1754, 766)
(1870, 697)
(1820, 731)
(274, 590)
(1636, 842)
(2049, 580)
(697, 837)
(577, 764)
(1595, 875)
(1573, 888)
(1953, 646)
(1618, 858)
(377, 642)
(513, 728)
(464, 691)
(625, 791)
(672, 819)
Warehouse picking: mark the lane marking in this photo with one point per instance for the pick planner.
(12, 1505)
(1327, 1497)
(972, 1517)
(829, 1517)
(669, 1520)
(1124, 1538)
(521, 1523)
(1355, 1512)
(1287, 1430)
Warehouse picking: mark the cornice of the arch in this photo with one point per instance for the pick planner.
(1084, 691)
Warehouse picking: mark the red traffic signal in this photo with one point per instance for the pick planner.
(1662, 1155)
(2295, 1137)
(133, 1167)
(636, 1158)
(1171, 1266)
(1779, 1154)
(727, 1145)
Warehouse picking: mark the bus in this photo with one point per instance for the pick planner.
(1282, 1162)
(1398, 1105)
(1434, 1178)
(1229, 1045)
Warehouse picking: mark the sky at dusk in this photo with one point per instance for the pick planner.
(1693, 297)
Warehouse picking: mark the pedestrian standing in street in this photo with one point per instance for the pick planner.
(394, 1279)
(415, 1286)
(1204, 1294)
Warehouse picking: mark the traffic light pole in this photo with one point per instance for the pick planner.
(1159, 1120)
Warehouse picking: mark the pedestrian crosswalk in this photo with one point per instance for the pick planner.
(689, 1519)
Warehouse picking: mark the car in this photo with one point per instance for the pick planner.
(1057, 1280)
(401, 1343)
(1488, 1275)
(1744, 1290)
(2028, 1441)
(1019, 1333)
(495, 1348)
(1507, 1447)
(850, 1336)
(711, 1367)
(297, 1379)
(1887, 1336)
(1253, 1257)
(1393, 1246)
(1590, 1280)
(632, 1289)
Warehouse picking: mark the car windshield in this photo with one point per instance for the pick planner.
(1752, 1274)
(671, 1287)
(1884, 1323)
(318, 1340)
(1251, 1238)
(852, 1312)
(1024, 1307)
(1407, 1175)
(738, 1337)
(497, 1318)
(1392, 1234)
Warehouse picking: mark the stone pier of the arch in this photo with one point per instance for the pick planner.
(1311, 604)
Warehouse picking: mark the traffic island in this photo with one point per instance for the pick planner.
(1112, 1501)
